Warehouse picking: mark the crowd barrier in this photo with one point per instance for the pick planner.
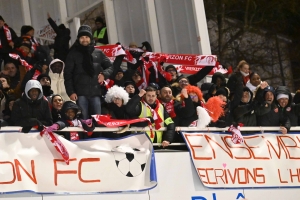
(176, 176)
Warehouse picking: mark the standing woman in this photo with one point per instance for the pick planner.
(242, 71)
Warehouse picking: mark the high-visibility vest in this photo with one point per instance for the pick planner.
(101, 34)
(146, 112)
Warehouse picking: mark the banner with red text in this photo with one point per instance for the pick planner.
(263, 160)
(28, 162)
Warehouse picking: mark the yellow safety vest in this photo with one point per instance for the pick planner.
(101, 34)
(146, 112)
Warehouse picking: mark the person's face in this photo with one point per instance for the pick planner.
(130, 89)
(4, 83)
(269, 97)
(98, 25)
(57, 102)
(183, 82)
(218, 81)
(71, 114)
(255, 80)
(136, 78)
(222, 97)
(119, 76)
(283, 102)
(173, 73)
(10, 105)
(31, 33)
(194, 97)
(34, 93)
(166, 94)
(84, 40)
(245, 68)
(57, 67)
(45, 81)
(245, 97)
(150, 97)
(11, 69)
(1, 23)
(118, 101)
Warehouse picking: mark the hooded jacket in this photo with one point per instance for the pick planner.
(291, 110)
(245, 112)
(26, 112)
(268, 114)
(58, 81)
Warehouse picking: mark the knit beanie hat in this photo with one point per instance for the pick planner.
(42, 76)
(171, 67)
(85, 30)
(99, 19)
(25, 29)
(223, 91)
(1, 18)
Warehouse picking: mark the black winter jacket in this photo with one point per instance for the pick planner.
(26, 112)
(77, 80)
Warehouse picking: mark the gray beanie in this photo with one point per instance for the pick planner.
(85, 30)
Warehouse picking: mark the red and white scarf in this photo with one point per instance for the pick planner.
(7, 35)
(170, 108)
(157, 119)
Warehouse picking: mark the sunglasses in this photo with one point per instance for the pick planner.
(193, 96)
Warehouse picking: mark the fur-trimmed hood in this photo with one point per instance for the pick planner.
(116, 92)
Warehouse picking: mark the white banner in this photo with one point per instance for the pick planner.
(28, 162)
(263, 160)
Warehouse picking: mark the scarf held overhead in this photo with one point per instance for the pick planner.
(7, 35)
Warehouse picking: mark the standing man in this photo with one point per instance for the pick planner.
(100, 35)
(86, 69)
(7, 35)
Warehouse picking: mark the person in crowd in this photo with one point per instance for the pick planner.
(70, 118)
(12, 71)
(100, 34)
(254, 81)
(219, 80)
(7, 111)
(82, 82)
(45, 81)
(31, 109)
(56, 75)
(192, 79)
(177, 110)
(33, 73)
(178, 86)
(148, 106)
(61, 40)
(7, 37)
(245, 112)
(196, 96)
(268, 113)
(241, 71)
(57, 102)
(5, 92)
(286, 107)
(23, 49)
(27, 31)
(130, 88)
(208, 90)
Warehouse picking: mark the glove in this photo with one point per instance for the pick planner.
(87, 121)
(40, 126)
(52, 128)
(151, 119)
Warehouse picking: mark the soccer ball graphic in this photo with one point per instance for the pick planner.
(131, 162)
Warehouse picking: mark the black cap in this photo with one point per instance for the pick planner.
(99, 19)
(42, 76)
(169, 67)
(1, 18)
(85, 30)
(129, 83)
(155, 85)
(25, 29)
(223, 91)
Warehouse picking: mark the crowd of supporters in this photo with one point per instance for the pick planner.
(37, 90)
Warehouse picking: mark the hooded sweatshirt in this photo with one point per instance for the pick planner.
(26, 112)
(58, 81)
